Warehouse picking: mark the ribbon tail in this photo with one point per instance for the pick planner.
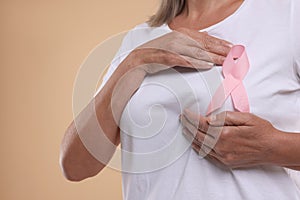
(222, 93)
(240, 98)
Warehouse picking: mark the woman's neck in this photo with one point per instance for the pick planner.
(197, 8)
(199, 14)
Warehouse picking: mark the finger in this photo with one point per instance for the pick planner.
(189, 126)
(190, 137)
(208, 150)
(214, 45)
(197, 53)
(199, 150)
(198, 64)
(198, 121)
(217, 120)
(215, 58)
(204, 151)
(214, 158)
(229, 118)
(201, 138)
(162, 59)
(188, 46)
(185, 57)
(208, 43)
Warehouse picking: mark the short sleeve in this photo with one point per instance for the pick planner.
(295, 18)
(121, 54)
(137, 36)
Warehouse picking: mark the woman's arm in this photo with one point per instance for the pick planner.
(101, 116)
(75, 159)
(82, 154)
(288, 151)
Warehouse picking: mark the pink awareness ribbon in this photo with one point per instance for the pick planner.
(235, 68)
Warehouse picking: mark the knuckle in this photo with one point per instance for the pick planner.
(229, 159)
(225, 134)
(197, 138)
(204, 39)
(200, 126)
(198, 53)
(206, 43)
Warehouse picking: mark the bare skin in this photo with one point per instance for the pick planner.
(76, 161)
(270, 146)
(193, 49)
(241, 140)
(201, 14)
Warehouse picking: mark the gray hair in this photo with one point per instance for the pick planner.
(167, 11)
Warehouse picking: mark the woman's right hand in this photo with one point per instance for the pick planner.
(179, 48)
(184, 47)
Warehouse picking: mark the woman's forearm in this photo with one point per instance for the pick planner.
(99, 117)
(288, 152)
(92, 137)
(81, 156)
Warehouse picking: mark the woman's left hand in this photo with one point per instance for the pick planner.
(233, 138)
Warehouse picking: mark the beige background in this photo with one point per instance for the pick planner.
(42, 44)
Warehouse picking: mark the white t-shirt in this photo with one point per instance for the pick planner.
(167, 168)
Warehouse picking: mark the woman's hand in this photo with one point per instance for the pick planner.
(234, 139)
(81, 158)
(187, 48)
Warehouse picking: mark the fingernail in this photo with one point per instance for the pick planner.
(211, 64)
(230, 45)
(179, 117)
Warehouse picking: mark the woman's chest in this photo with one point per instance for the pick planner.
(271, 85)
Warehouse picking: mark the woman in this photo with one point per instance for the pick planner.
(247, 159)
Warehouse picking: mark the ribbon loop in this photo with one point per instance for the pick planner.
(235, 68)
